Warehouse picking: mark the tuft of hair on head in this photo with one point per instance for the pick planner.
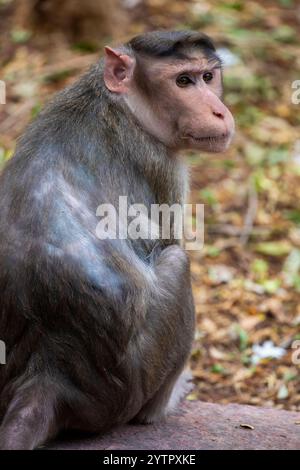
(163, 44)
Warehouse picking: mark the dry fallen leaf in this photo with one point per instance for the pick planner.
(246, 426)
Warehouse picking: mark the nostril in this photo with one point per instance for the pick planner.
(219, 115)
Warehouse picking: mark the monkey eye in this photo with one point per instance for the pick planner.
(208, 76)
(183, 80)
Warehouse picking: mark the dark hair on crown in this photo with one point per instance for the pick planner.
(170, 43)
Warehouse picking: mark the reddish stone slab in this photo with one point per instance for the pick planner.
(200, 425)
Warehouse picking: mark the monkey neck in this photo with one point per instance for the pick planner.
(163, 170)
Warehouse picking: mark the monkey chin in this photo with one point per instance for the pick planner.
(211, 144)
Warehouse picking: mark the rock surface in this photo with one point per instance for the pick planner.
(200, 425)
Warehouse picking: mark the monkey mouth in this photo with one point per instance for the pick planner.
(209, 138)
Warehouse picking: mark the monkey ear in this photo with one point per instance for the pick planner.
(118, 70)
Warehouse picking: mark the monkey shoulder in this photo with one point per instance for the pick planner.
(48, 236)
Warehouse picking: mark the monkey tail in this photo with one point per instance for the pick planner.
(31, 418)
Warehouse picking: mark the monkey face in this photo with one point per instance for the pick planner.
(204, 122)
(176, 99)
(186, 105)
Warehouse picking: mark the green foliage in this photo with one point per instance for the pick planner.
(20, 36)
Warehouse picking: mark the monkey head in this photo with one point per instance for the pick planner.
(172, 82)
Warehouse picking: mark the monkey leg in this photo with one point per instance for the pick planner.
(182, 387)
(166, 398)
(176, 321)
(30, 419)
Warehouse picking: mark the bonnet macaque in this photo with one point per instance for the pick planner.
(98, 330)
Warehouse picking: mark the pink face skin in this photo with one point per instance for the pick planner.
(178, 101)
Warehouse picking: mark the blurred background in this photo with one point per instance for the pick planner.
(247, 279)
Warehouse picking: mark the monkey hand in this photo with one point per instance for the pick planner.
(175, 258)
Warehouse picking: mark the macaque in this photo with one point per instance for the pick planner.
(98, 331)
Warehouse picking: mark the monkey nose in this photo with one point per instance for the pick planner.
(218, 114)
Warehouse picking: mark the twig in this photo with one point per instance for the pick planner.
(69, 65)
(250, 215)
